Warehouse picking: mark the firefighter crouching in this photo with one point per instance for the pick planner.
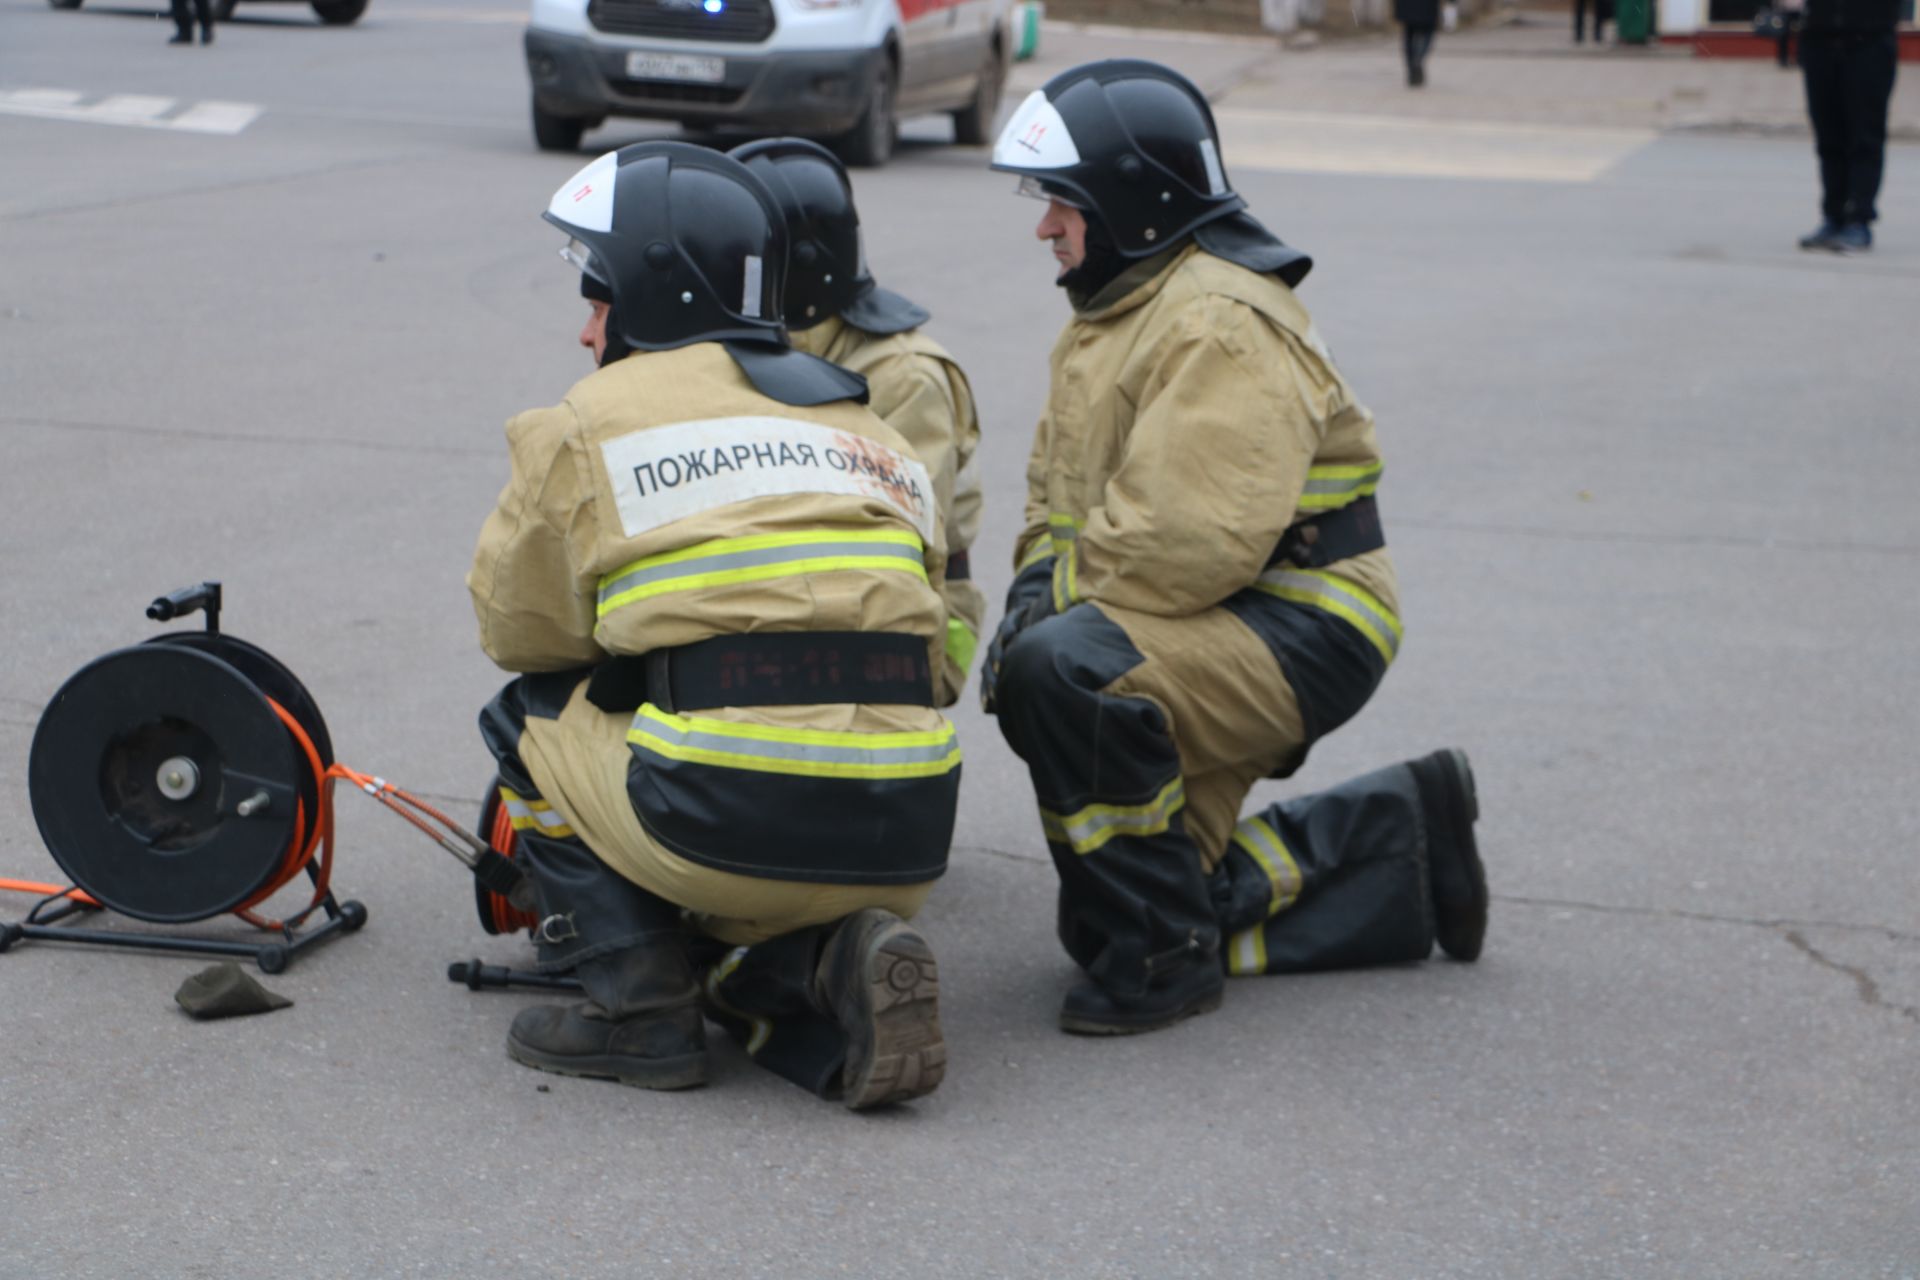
(1203, 589)
(837, 311)
(721, 577)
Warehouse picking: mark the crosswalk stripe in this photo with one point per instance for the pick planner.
(216, 117)
(130, 108)
(136, 110)
(43, 97)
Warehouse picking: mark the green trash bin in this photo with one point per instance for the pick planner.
(1633, 21)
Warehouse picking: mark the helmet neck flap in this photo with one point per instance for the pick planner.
(827, 271)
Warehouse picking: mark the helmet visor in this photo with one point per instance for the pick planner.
(577, 253)
(1038, 189)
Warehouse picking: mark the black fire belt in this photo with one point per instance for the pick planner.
(773, 669)
(1353, 530)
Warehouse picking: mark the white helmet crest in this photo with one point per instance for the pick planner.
(1036, 138)
(586, 199)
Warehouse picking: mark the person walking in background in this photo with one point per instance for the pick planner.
(1418, 18)
(1789, 12)
(183, 21)
(1848, 54)
(1602, 10)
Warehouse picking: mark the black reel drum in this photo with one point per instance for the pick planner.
(180, 779)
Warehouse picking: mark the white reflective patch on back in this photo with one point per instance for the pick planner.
(586, 201)
(1036, 138)
(1216, 177)
(669, 473)
(750, 301)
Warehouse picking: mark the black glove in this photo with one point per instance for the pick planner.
(1029, 599)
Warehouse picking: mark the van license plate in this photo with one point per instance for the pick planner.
(676, 66)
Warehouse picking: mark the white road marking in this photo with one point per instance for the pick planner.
(130, 108)
(1318, 142)
(216, 117)
(136, 110)
(44, 97)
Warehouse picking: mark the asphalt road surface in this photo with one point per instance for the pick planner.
(1650, 490)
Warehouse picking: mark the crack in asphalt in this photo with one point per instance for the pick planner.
(236, 437)
(1709, 917)
(1864, 986)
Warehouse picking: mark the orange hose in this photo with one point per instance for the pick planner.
(300, 849)
(49, 890)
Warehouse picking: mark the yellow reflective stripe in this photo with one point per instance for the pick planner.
(816, 753)
(1040, 550)
(756, 558)
(1247, 952)
(1063, 529)
(762, 1027)
(1264, 845)
(1088, 829)
(961, 643)
(1346, 600)
(526, 815)
(1332, 486)
(1066, 578)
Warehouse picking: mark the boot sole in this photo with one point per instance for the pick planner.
(895, 1049)
(1468, 924)
(685, 1072)
(1079, 1026)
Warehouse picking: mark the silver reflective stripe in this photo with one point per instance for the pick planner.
(751, 559)
(750, 302)
(546, 817)
(1091, 827)
(1382, 628)
(688, 738)
(1260, 840)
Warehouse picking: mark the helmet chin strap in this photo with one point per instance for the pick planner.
(1101, 263)
(615, 347)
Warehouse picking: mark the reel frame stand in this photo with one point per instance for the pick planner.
(43, 922)
(166, 846)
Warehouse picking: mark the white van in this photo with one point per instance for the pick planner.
(844, 71)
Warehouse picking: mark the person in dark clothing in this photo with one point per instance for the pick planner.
(1787, 14)
(1602, 10)
(1419, 18)
(1848, 54)
(183, 17)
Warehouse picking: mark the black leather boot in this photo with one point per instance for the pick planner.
(1179, 986)
(640, 1025)
(878, 979)
(1457, 876)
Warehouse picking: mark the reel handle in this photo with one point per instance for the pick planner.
(178, 604)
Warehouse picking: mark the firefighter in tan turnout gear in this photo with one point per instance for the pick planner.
(1202, 589)
(721, 575)
(835, 310)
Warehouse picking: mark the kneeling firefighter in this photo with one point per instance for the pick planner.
(837, 311)
(721, 574)
(1202, 589)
